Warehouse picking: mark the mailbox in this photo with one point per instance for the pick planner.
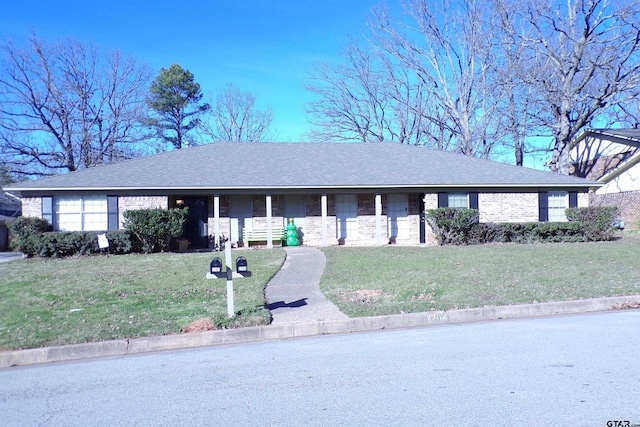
(241, 265)
(216, 266)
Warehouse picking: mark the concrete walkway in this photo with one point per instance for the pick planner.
(294, 296)
(10, 256)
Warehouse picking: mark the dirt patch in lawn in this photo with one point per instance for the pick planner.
(362, 296)
(199, 325)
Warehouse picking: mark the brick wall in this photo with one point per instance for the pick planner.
(313, 221)
(508, 207)
(260, 211)
(32, 206)
(126, 203)
(628, 204)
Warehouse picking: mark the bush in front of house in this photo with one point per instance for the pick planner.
(70, 243)
(452, 226)
(154, 228)
(461, 227)
(598, 222)
(25, 233)
(32, 237)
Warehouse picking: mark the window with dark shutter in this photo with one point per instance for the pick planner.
(112, 212)
(443, 200)
(47, 209)
(543, 206)
(473, 200)
(573, 199)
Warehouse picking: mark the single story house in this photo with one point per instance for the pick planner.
(612, 157)
(337, 193)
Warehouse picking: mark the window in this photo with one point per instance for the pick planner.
(552, 204)
(458, 200)
(81, 213)
(557, 203)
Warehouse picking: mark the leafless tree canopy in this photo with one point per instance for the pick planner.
(235, 117)
(65, 107)
(485, 76)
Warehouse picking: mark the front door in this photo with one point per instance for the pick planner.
(196, 229)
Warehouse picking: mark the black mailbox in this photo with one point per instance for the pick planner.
(241, 265)
(216, 266)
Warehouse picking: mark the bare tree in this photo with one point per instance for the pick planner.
(234, 117)
(366, 98)
(65, 107)
(445, 44)
(582, 57)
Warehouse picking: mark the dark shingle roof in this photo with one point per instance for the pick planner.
(245, 165)
(623, 136)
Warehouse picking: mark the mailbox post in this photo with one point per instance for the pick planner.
(215, 272)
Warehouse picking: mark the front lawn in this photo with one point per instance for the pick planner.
(45, 302)
(369, 281)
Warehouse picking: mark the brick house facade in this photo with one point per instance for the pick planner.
(353, 194)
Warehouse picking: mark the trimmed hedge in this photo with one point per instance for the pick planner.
(462, 227)
(33, 237)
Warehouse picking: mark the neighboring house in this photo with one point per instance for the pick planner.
(9, 208)
(337, 193)
(611, 156)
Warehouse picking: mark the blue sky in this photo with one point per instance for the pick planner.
(264, 46)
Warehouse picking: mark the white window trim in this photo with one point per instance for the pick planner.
(82, 214)
(557, 203)
(459, 195)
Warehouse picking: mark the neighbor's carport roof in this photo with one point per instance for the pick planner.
(267, 165)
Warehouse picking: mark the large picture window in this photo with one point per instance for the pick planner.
(81, 213)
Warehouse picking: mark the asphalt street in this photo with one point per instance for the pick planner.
(568, 370)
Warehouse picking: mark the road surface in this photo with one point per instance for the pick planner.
(572, 370)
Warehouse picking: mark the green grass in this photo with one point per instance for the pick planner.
(74, 300)
(46, 302)
(385, 280)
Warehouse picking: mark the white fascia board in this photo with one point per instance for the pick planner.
(635, 159)
(588, 184)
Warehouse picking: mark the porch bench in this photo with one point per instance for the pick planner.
(278, 234)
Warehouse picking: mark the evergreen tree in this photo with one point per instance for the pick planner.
(174, 100)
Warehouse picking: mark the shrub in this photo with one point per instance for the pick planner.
(154, 228)
(25, 233)
(598, 222)
(460, 226)
(452, 226)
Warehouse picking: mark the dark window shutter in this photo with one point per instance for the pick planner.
(573, 199)
(543, 206)
(443, 201)
(473, 200)
(47, 209)
(112, 210)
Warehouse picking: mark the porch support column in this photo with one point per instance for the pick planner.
(269, 225)
(425, 206)
(216, 218)
(323, 204)
(378, 219)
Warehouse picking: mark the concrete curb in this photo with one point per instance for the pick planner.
(293, 330)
